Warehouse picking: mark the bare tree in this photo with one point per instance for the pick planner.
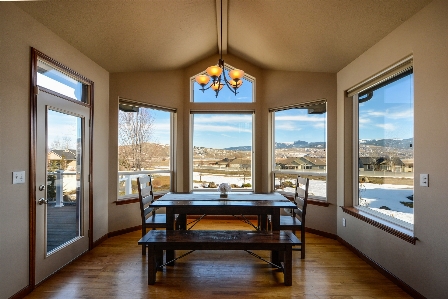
(135, 133)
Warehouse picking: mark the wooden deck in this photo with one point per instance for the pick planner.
(63, 225)
(117, 269)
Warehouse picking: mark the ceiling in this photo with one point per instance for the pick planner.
(156, 35)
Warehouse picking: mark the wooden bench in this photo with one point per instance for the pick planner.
(279, 243)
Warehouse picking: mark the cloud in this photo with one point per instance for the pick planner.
(387, 127)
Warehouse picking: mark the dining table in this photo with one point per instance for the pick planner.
(211, 203)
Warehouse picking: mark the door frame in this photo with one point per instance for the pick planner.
(35, 55)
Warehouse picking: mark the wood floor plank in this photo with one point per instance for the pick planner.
(116, 269)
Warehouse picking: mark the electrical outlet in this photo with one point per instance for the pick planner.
(344, 223)
(424, 180)
(18, 177)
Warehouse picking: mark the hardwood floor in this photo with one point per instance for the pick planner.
(117, 269)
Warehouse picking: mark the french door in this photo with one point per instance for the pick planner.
(62, 182)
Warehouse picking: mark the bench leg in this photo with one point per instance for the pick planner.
(152, 265)
(287, 264)
(275, 257)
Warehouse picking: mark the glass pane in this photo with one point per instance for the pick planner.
(244, 93)
(144, 146)
(64, 173)
(222, 150)
(386, 156)
(300, 148)
(53, 79)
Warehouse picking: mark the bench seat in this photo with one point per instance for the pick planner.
(279, 243)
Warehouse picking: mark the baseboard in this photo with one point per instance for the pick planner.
(22, 293)
(400, 283)
(99, 241)
(321, 233)
(124, 231)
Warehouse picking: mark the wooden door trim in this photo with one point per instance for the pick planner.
(35, 55)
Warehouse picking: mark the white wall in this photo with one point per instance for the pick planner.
(18, 33)
(423, 266)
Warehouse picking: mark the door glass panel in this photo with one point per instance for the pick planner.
(64, 173)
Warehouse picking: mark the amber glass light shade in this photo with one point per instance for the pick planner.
(214, 71)
(202, 79)
(217, 86)
(236, 74)
(236, 84)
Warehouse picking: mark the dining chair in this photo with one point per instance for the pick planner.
(150, 219)
(296, 220)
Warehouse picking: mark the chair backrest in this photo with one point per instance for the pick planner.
(301, 198)
(145, 195)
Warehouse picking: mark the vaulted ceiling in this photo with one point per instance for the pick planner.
(155, 35)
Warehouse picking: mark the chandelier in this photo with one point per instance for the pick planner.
(218, 77)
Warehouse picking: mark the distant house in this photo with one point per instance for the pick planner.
(298, 163)
(63, 159)
(314, 163)
(393, 164)
(240, 163)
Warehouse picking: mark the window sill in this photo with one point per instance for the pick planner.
(388, 227)
(133, 198)
(311, 201)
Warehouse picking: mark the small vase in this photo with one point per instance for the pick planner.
(223, 195)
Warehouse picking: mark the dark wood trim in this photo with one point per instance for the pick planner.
(100, 240)
(355, 213)
(124, 231)
(32, 170)
(400, 283)
(63, 67)
(321, 233)
(126, 201)
(22, 293)
(91, 211)
(35, 55)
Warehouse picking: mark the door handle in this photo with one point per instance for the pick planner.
(42, 201)
(41, 187)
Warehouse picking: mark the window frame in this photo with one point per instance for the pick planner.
(275, 171)
(394, 226)
(252, 154)
(129, 198)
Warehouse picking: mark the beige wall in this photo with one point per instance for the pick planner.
(273, 89)
(423, 266)
(18, 33)
(157, 88)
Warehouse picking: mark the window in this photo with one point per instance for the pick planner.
(300, 147)
(222, 150)
(384, 159)
(49, 77)
(244, 92)
(144, 146)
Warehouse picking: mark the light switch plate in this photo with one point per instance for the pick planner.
(424, 180)
(18, 177)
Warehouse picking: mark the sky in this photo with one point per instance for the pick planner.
(390, 112)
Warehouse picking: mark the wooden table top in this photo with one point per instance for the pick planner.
(202, 199)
